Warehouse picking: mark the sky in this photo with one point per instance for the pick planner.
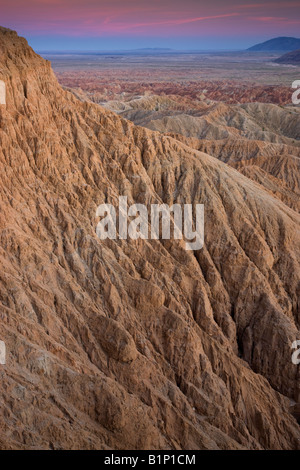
(103, 25)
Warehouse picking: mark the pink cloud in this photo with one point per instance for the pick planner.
(266, 5)
(170, 22)
(275, 20)
(141, 17)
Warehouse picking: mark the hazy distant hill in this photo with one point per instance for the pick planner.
(154, 49)
(277, 44)
(290, 58)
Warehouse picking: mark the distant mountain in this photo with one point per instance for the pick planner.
(290, 58)
(153, 50)
(277, 44)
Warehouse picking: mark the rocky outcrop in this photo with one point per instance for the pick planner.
(260, 140)
(274, 166)
(135, 344)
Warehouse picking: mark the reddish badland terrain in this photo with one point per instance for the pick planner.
(141, 344)
(226, 77)
(102, 90)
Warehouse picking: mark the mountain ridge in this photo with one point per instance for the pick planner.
(286, 44)
(292, 58)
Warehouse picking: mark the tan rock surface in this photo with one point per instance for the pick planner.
(138, 344)
(260, 140)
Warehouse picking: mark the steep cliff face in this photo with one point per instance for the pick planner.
(260, 140)
(276, 167)
(135, 344)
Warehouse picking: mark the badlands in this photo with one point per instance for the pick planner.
(141, 344)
